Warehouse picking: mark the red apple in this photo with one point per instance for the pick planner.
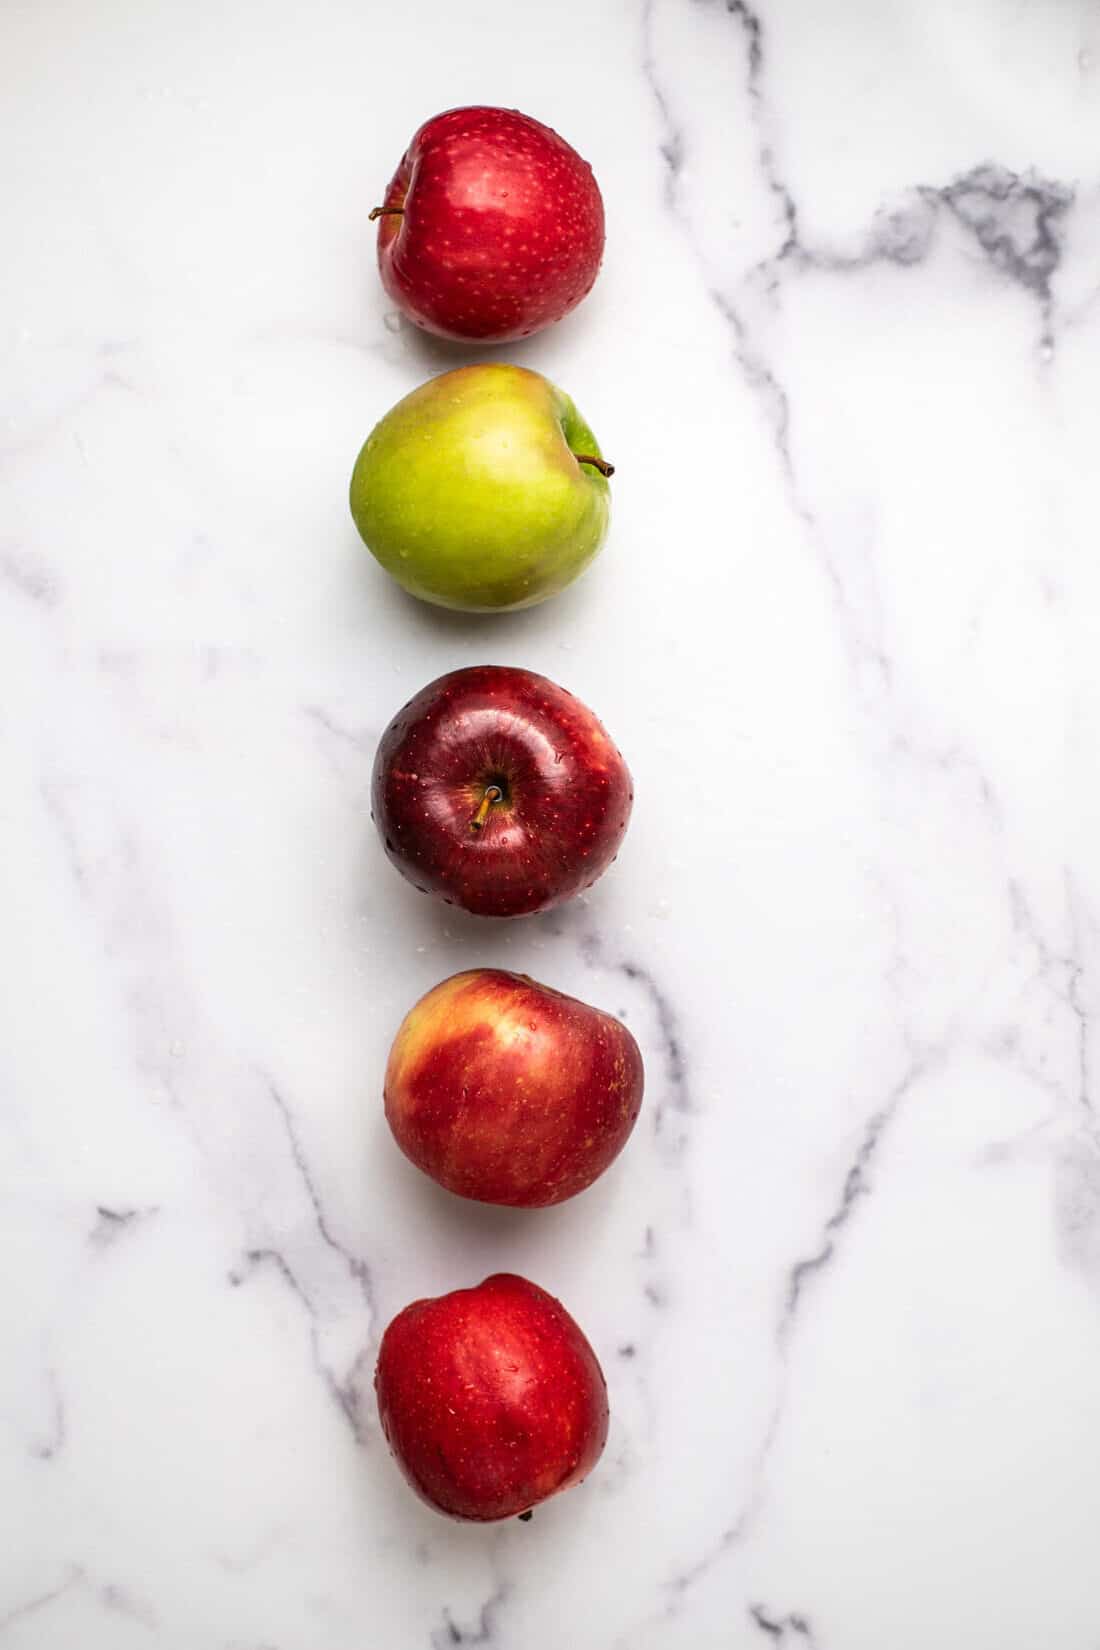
(510, 1092)
(498, 791)
(491, 228)
(490, 1398)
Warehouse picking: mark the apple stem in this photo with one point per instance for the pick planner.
(493, 793)
(386, 212)
(600, 464)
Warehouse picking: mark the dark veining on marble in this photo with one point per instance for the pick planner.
(1063, 973)
(671, 146)
(356, 1266)
(347, 1393)
(1018, 220)
(112, 1219)
(117, 1600)
(41, 1601)
(347, 1389)
(677, 1095)
(754, 40)
(668, 1024)
(484, 1632)
(854, 1186)
(780, 1628)
(272, 1257)
(111, 1223)
(764, 278)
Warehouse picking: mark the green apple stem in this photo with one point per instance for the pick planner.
(600, 464)
(493, 793)
(386, 212)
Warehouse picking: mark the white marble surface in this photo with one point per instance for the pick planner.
(846, 1281)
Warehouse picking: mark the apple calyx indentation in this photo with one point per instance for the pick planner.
(492, 795)
(600, 464)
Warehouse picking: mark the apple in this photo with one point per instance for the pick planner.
(491, 228)
(490, 1398)
(498, 791)
(484, 489)
(510, 1092)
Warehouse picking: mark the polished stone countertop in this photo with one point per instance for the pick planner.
(845, 1281)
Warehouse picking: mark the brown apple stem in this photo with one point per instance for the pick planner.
(493, 793)
(600, 464)
(386, 212)
(525, 1518)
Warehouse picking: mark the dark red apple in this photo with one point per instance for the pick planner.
(491, 228)
(490, 1398)
(509, 1092)
(500, 792)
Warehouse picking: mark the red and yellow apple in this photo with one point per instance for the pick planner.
(491, 1399)
(509, 1092)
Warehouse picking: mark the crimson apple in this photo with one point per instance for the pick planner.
(499, 791)
(491, 1399)
(509, 1092)
(491, 228)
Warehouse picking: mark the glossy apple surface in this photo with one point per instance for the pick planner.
(482, 490)
(509, 1092)
(492, 226)
(500, 792)
(490, 1398)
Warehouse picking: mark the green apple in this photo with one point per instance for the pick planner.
(482, 490)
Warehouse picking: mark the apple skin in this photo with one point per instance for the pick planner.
(492, 226)
(491, 1399)
(469, 492)
(509, 1092)
(562, 801)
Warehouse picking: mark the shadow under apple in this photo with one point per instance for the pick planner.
(433, 355)
(471, 1240)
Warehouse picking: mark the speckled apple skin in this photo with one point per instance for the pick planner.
(502, 226)
(568, 792)
(510, 1092)
(468, 492)
(491, 1399)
